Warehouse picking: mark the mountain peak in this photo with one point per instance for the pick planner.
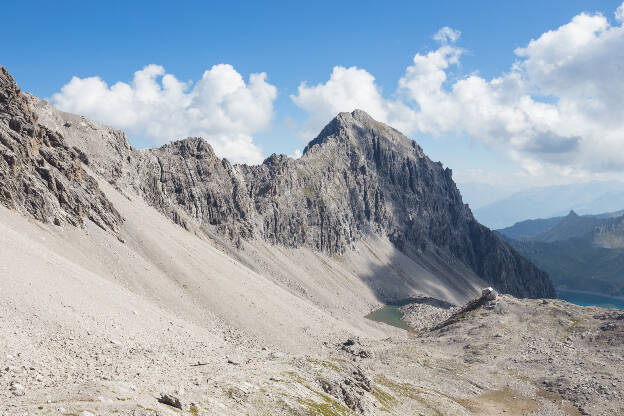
(191, 147)
(572, 214)
(361, 118)
(356, 115)
(359, 127)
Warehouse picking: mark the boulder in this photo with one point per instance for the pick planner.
(489, 293)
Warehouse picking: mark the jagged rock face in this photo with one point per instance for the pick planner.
(39, 174)
(358, 176)
(188, 175)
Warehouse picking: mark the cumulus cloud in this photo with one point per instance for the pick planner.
(347, 88)
(558, 107)
(221, 107)
(447, 35)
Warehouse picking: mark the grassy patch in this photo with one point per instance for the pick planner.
(294, 375)
(407, 390)
(387, 400)
(326, 407)
(326, 364)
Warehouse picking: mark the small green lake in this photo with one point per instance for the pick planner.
(389, 315)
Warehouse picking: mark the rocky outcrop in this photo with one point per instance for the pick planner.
(187, 175)
(40, 175)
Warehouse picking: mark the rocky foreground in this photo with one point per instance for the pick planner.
(505, 356)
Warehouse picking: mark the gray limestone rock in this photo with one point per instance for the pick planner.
(40, 175)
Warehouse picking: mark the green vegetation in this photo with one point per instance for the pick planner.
(387, 400)
(294, 375)
(328, 406)
(407, 390)
(326, 364)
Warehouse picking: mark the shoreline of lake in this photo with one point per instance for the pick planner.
(587, 292)
(583, 298)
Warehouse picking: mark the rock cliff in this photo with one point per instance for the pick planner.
(40, 175)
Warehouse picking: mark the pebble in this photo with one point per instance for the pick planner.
(17, 389)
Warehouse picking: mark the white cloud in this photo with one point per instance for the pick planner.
(447, 35)
(558, 108)
(346, 88)
(221, 107)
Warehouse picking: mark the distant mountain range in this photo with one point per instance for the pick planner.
(544, 202)
(579, 252)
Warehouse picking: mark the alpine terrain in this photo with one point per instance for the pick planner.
(170, 281)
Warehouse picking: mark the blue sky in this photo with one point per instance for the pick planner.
(47, 43)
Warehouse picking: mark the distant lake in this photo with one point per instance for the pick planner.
(590, 299)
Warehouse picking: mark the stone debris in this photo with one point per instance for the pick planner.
(17, 389)
(237, 394)
(170, 401)
(349, 390)
(353, 347)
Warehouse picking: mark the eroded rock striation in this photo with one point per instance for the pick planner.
(40, 175)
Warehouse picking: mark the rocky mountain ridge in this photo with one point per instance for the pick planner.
(40, 175)
(358, 177)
